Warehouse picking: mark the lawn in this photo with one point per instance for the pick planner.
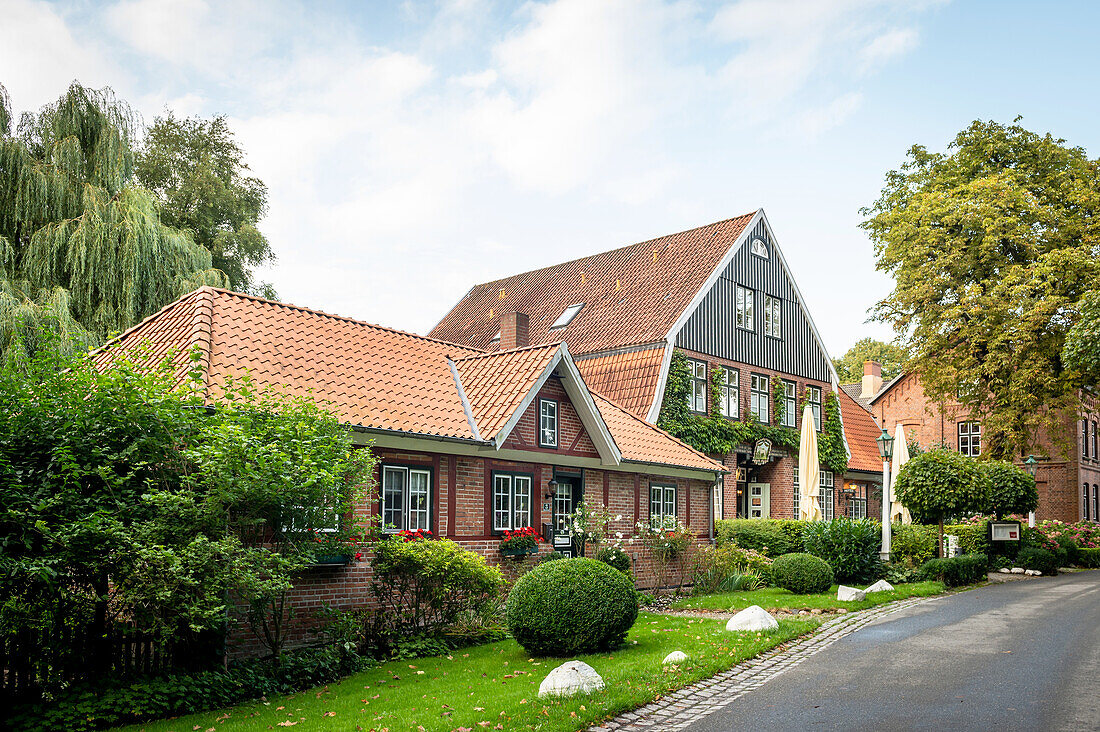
(771, 598)
(495, 686)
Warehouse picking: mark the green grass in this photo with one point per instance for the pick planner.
(497, 684)
(777, 598)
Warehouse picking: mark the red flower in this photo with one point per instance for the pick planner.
(358, 556)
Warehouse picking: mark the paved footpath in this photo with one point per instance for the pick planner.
(692, 703)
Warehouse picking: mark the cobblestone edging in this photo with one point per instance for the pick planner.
(692, 703)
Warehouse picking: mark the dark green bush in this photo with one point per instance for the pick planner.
(771, 537)
(1013, 489)
(552, 556)
(850, 547)
(614, 557)
(571, 606)
(802, 574)
(1069, 546)
(912, 545)
(1040, 559)
(965, 569)
(1088, 558)
(90, 707)
(973, 537)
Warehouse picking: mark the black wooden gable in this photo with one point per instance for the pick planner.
(712, 328)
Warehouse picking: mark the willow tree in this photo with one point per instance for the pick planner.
(82, 246)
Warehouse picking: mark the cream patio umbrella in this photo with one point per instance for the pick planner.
(898, 512)
(808, 510)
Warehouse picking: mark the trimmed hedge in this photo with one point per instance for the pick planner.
(771, 537)
(615, 558)
(89, 707)
(571, 606)
(965, 569)
(1040, 559)
(1088, 558)
(851, 547)
(913, 544)
(802, 574)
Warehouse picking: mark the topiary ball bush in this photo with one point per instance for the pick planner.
(571, 606)
(802, 574)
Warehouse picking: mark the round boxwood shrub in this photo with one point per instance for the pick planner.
(571, 606)
(614, 557)
(802, 574)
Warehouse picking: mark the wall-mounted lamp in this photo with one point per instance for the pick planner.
(551, 488)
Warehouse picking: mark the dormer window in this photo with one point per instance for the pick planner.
(567, 316)
(548, 423)
(759, 248)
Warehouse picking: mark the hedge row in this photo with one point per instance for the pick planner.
(965, 569)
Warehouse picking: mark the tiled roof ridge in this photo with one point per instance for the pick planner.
(616, 249)
(344, 318)
(196, 324)
(650, 425)
(521, 349)
(619, 350)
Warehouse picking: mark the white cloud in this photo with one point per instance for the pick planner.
(814, 122)
(887, 46)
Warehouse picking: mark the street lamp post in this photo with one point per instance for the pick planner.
(1032, 468)
(886, 451)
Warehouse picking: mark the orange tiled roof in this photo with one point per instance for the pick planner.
(632, 295)
(861, 432)
(373, 377)
(628, 377)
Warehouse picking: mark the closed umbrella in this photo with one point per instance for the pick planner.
(808, 510)
(898, 512)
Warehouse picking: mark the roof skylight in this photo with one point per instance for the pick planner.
(567, 316)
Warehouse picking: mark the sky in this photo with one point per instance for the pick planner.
(414, 149)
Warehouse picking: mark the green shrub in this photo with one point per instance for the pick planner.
(571, 606)
(750, 559)
(850, 547)
(722, 569)
(1089, 558)
(912, 545)
(802, 574)
(615, 558)
(965, 569)
(89, 707)
(552, 556)
(1040, 559)
(1013, 489)
(771, 537)
(973, 536)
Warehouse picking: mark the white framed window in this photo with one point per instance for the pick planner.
(789, 408)
(745, 318)
(662, 504)
(759, 397)
(406, 498)
(548, 423)
(759, 248)
(813, 397)
(825, 494)
(970, 438)
(797, 493)
(697, 394)
(511, 501)
(1085, 510)
(773, 316)
(567, 316)
(729, 393)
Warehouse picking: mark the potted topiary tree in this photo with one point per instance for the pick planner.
(942, 483)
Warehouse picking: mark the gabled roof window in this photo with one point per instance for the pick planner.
(567, 316)
(759, 248)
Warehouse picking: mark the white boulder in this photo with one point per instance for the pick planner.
(752, 618)
(1005, 570)
(572, 677)
(675, 657)
(1017, 570)
(880, 586)
(1037, 573)
(850, 594)
(1032, 572)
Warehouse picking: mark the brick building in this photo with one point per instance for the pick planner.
(1068, 461)
(467, 442)
(722, 295)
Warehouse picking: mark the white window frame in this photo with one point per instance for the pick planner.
(730, 393)
(857, 504)
(512, 499)
(970, 438)
(408, 519)
(826, 494)
(549, 423)
(773, 317)
(789, 416)
(697, 392)
(662, 504)
(567, 315)
(745, 317)
(813, 397)
(760, 399)
(797, 494)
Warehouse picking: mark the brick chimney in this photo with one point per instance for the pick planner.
(872, 379)
(514, 331)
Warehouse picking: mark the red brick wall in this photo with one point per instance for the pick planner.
(573, 439)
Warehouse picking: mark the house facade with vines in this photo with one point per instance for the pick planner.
(703, 333)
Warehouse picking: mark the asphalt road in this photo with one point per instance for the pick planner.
(1016, 656)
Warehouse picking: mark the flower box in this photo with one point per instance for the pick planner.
(325, 560)
(521, 551)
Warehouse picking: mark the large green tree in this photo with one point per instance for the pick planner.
(82, 246)
(993, 247)
(850, 365)
(198, 173)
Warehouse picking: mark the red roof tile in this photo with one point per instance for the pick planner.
(631, 295)
(628, 377)
(861, 432)
(496, 383)
(639, 441)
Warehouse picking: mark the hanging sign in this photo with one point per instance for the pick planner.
(763, 451)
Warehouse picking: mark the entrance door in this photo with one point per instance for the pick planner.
(566, 497)
(760, 500)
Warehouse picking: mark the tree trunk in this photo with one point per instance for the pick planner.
(939, 546)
